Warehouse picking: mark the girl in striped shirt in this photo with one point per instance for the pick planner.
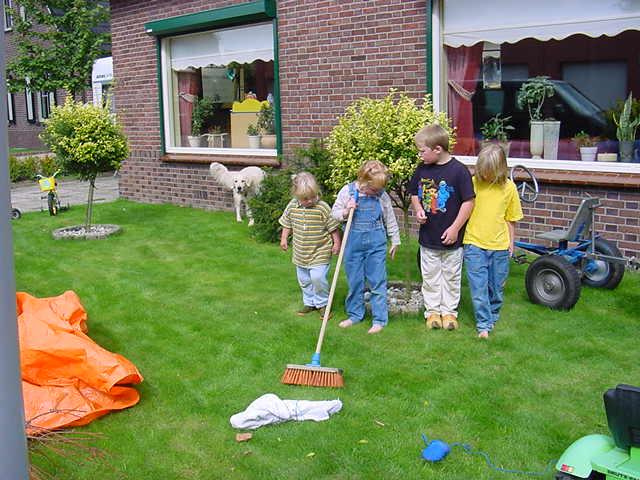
(316, 236)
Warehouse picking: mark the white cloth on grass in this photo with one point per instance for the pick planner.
(269, 408)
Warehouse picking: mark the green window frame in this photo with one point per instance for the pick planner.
(235, 15)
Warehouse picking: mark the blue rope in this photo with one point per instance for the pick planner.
(469, 449)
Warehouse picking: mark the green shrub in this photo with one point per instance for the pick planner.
(382, 129)
(26, 168)
(85, 138)
(316, 159)
(48, 165)
(268, 205)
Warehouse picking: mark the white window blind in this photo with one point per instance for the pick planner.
(221, 47)
(467, 22)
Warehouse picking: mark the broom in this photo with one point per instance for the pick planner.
(313, 374)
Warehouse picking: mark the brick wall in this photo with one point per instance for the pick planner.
(331, 53)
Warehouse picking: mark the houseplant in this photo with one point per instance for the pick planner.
(586, 144)
(267, 127)
(254, 136)
(204, 112)
(532, 95)
(495, 130)
(626, 126)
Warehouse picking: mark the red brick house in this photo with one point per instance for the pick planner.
(310, 59)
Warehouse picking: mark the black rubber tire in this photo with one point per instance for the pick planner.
(553, 282)
(567, 476)
(52, 203)
(15, 214)
(609, 274)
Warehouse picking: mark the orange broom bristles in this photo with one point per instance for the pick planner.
(313, 376)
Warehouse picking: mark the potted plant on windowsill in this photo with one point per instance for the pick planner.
(202, 116)
(626, 127)
(267, 127)
(254, 136)
(532, 95)
(495, 130)
(586, 144)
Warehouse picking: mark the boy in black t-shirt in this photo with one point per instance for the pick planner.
(442, 199)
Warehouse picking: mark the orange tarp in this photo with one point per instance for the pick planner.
(67, 379)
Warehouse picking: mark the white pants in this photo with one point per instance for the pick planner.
(441, 275)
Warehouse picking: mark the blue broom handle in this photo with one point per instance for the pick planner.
(327, 310)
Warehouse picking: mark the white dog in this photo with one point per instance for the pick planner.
(244, 184)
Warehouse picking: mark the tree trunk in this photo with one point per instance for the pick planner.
(92, 186)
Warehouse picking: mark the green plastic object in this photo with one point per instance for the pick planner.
(576, 460)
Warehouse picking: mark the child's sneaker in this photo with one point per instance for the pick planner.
(306, 309)
(450, 322)
(434, 321)
(483, 335)
(322, 311)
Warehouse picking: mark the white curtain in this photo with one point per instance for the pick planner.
(221, 47)
(467, 22)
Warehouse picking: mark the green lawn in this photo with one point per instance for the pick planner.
(208, 316)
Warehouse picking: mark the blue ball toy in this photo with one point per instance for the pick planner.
(435, 451)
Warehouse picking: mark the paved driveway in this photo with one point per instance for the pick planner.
(26, 195)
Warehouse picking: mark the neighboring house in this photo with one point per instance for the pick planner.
(311, 59)
(27, 110)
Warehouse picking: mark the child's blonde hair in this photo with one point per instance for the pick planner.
(491, 166)
(432, 136)
(305, 187)
(373, 174)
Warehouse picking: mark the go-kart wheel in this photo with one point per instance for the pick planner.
(15, 214)
(528, 189)
(553, 282)
(53, 204)
(567, 476)
(600, 273)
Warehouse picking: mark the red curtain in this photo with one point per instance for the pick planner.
(189, 88)
(463, 74)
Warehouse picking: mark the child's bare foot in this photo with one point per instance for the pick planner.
(483, 335)
(375, 329)
(345, 323)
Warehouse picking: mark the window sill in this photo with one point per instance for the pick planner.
(567, 172)
(226, 159)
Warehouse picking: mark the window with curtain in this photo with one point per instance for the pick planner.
(588, 52)
(28, 101)
(218, 88)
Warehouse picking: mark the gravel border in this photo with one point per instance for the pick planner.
(78, 232)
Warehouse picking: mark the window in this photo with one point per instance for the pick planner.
(8, 19)
(216, 84)
(11, 111)
(589, 56)
(45, 100)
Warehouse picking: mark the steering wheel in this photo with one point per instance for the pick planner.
(528, 189)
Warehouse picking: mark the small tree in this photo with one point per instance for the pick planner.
(86, 140)
(57, 44)
(382, 129)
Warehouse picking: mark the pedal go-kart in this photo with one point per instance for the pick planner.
(600, 457)
(554, 279)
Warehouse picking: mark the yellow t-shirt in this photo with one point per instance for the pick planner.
(495, 206)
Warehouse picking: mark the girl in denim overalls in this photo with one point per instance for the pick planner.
(366, 249)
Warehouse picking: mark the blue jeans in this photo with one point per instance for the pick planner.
(314, 285)
(365, 261)
(487, 272)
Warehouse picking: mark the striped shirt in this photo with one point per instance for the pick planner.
(311, 227)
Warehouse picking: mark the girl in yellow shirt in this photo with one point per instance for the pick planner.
(489, 237)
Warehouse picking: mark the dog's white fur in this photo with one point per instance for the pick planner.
(244, 184)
